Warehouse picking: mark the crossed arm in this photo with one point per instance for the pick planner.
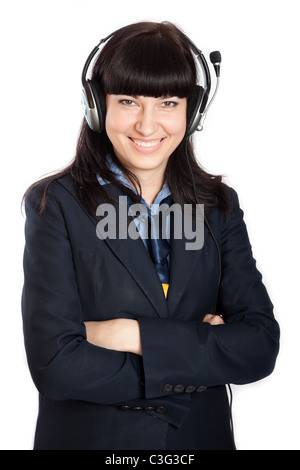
(123, 334)
(241, 352)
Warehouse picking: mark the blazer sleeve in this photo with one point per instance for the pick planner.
(197, 354)
(63, 364)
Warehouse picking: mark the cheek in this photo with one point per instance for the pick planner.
(177, 125)
(113, 123)
(117, 122)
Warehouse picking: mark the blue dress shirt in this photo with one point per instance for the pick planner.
(157, 245)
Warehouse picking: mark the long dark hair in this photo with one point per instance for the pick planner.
(143, 59)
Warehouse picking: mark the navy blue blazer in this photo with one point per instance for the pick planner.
(174, 396)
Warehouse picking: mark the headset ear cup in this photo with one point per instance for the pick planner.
(194, 109)
(100, 102)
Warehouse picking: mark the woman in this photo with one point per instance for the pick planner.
(131, 339)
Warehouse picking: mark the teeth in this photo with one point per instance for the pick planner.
(153, 143)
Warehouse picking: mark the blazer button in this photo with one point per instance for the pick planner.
(149, 408)
(137, 408)
(201, 389)
(160, 409)
(125, 407)
(190, 389)
(179, 388)
(167, 388)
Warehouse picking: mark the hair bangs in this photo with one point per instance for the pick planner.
(150, 65)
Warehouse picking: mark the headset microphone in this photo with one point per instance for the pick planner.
(215, 58)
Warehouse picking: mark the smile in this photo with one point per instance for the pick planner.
(146, 144)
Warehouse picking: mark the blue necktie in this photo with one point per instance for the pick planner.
(158, 246)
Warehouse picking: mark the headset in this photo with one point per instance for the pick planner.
(94, 102)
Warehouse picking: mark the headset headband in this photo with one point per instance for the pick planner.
(91, 56)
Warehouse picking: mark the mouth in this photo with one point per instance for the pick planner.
(146, 143)
(146, 147)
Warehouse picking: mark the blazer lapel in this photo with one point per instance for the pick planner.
(133, 255)
(182, 265)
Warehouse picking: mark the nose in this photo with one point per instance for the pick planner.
(146, 123)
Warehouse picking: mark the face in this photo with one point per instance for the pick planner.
(144, 131)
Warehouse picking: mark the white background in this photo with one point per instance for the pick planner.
(251, 136)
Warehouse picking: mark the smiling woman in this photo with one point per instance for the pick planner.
(132, 340)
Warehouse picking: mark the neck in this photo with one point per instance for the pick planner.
(151, 184)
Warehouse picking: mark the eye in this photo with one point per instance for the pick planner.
(169, 104)
(127, 102)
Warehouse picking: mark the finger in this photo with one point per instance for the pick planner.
(208, 318)
(217, 320)
(214, 319)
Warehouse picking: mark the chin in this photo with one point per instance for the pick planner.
(148, 163)
(143, 161)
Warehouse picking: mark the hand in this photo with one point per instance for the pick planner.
(214, 320)
(120, 334)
